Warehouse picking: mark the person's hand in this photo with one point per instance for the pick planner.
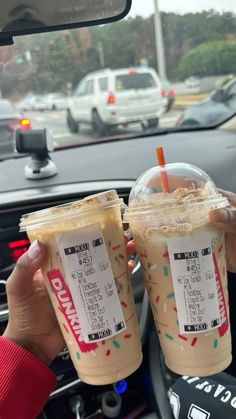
(131, 249)
(32, 323)
(225, 219)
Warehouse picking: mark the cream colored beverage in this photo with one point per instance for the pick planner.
(184, 265)
(89, 285)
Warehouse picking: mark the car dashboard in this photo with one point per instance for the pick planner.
(89, 169)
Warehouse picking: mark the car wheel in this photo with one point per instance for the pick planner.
(152, 123)
(72, 124)
(98, 126)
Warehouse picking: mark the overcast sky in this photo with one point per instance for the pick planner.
(146, 7)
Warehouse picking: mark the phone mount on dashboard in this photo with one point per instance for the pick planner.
(38, 143)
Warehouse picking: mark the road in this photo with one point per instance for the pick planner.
(56, 121)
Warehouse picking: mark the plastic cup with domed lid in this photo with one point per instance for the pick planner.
(88, 282)
(184, 265)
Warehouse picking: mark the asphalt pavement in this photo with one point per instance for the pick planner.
(56, 121)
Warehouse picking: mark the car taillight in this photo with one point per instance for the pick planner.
(132, 71)
(25, 123)
(171, 92)
(111, 100)
(163, 92)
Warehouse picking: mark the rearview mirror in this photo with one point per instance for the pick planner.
(19, 17)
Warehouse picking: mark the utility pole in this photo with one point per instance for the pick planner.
(160, 50)
(101, 54)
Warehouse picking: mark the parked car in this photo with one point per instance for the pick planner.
(108, 98)
(55, 101)
(219, 106)
(27, 102)
(192, 82)
(41, 104)
(47, 102)
(167, 93)
(10, 121)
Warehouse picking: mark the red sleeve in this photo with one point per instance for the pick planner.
(25, 382)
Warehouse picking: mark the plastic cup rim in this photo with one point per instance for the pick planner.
(63, 215)
(213, 202)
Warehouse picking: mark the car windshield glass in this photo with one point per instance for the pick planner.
(154, 70)
(134, 81)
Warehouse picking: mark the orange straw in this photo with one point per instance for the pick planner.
(163, 172)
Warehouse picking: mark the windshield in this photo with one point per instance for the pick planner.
(156, 69)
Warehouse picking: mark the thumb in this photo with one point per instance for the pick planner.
(20, 281)
(224, 219)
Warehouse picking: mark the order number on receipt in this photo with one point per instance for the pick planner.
(88, 272)
(195, 287)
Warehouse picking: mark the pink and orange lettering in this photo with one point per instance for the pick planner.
(66, 306)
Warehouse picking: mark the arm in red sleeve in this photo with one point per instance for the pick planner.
(25, 382)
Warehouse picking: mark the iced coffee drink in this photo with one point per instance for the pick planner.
(184, 266)
(88, 282)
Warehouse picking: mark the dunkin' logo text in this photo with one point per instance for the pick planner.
(66, 306)
(223, 309)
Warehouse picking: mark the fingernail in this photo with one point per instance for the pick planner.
(34, 250)
(132, 264)
(221, 215)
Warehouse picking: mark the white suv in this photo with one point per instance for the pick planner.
(109, 98)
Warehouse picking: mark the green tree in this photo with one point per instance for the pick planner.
(209, 58)
(182, 33)
(64, 57)
(119, 41)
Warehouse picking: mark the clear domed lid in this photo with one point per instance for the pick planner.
(179, 175)
(171, 186)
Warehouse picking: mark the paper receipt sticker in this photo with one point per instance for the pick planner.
(91, 282)
(194, 281)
